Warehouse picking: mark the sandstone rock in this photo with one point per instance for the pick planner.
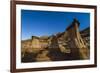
(43, 56)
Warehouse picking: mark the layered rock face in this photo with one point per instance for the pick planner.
(72, 44)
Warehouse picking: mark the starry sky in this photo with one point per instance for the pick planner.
(46, 23)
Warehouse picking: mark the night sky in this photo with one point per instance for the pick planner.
(46, 23)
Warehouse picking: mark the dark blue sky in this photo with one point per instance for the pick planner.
(41, 23)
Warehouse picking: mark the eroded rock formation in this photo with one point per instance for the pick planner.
(68, 45)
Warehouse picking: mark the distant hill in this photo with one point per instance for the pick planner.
(85, 32)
